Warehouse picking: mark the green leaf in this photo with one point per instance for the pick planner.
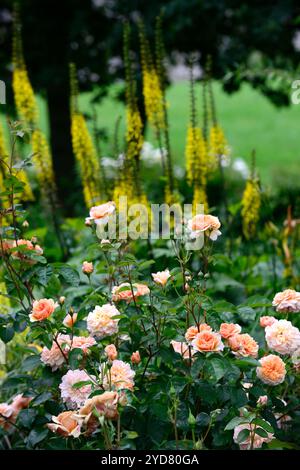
(264, 424)
(26, 417)
(6, 333)
(243, 435)
(69, 274)
(42, 398)
(218, 367)
(31, 363)
(261, 432)
(82, 383)
(235, 422)
(247, 362)
(36, 436)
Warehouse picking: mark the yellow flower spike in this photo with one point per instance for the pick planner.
(218, 145)
(4, 300)
(24, 96)
(251, 203)
(196, 165)
(43, 163)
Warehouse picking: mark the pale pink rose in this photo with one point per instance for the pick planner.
(20, 402)
(243, 345)
(75, 397)
(70, 320)
(287, 301)
(6, 416)
(135, 357)
(183, 349)
(83, 343)
(208, 341)
(282, 337)
(192, 331)
(111, 352)
(65, 424)
(101, 214)
(161, 277)
(229, 329)
(266, 321)
(124, 291)
(257, 440)
(101, 322)
(42, 309)
(262, 400)
(272, 370)
(204, 223)
(119, 376)
(54, 357)
(295, 357)
(87, 268)
(105, 405)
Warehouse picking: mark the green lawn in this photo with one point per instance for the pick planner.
(250, 122)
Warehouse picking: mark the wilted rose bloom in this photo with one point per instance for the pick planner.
(257, 440)
(287, 301)
(101, 322)
(262, 400)
(111, 352)
(207, 341)
(272, 370)
(70, 320)
(87, 268)
(22, 254)
(183, 349)
(83, 343)
(135, 357)
(124, 292)
(105, 405)
(282, 420)
(192, 331)
(65, 424)
(229, 329)
(207, 224)
(9, 412)
(266, 321)
(72, 396)
(54, 357)
(42, 309)
(101, 214)
(243, 345)
(283, 337)
(161, 277)
(119, 376)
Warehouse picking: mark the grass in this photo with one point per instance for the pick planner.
(250, 122)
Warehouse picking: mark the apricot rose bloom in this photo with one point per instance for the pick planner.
(207, 341)
(87, 268)
(22, 254)
(101, 322)
(266, 321)
(192, 331)
(161, 277)
(42, 309)
(124, 291)
(255, 438)
(243, 345)
(204, 223)
(9, 412)
(101, 214)
(111, 352)
(272, 370)
(65, 424)
(282, 337)
(119, 376)
(287, 301)
(72, 396)
(105, 405)
(229, 329)
(135, 357)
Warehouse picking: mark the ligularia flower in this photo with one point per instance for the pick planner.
(101, 322)
(283, 337)
(72, 396)
(287, 301)
(202, 223)
(161, 277)
(272, 370)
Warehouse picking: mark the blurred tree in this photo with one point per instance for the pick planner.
(250, 41)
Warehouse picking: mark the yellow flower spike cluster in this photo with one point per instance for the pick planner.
(4, 300)
(153, 97)
(196, 165)
(218, 146)
(134, 133)
(24, 96)
(43, 163)
(251, 203)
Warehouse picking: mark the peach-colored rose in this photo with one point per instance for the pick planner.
(262, 400)
(102, 321)
(105, 405)
(101, 214)
(243, 345)
(266, 321)
(161, 277)
(183, 349)
(229, 329)
(42, 309)
(30, 246)
(83, 343)
(70, 320)
(283, 337)
(9, 412)
(272, 370)
(87, 268)
(205, 223)
(135, 357)
(252, 438)
(124, 291)
(120, 376)
(111, 352)
(192, 331)
(65, 424)
(287, 301)
(207, 341)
